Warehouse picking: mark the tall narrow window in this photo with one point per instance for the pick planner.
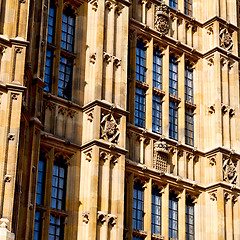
(50, 48)
(189, 127)
(173, 120)
(67, 54)
(156, 114)
(188, 7)
(140, 107)
(156, 210)
(173, 216)
(173, 76)
(138, 206)
(141, 61)
(189, 219)
(58, 199)
(188, 82)
(173, 3)
(157, 69)
(37, 226)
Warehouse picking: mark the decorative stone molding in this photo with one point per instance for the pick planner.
(85, 216)
(94, 5)
(104, 156)
(18, 50)
(212, 160)
(7, 178)
(109, 128)
(227, 196)
(139, 233)
(112, 219)
(4, 222)
(116, 61)
(224, 108)
(161, 146)
(93, 58)
(231, 112)
(162, 18)
(61, 154)
(160, 156)
(101, 217)
(210, 61)
(211, 108)
(226, 40)
(14, 96)
(49, 105)
(157, 237)
(229, 171)
(107, 57)
(62, 110)
(11, 136)
(109, 5)
(213, 196)
(88, 155)
(209, 30)
(90, 115)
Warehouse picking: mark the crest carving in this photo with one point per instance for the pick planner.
(161, 152)
(226, 40)
(161, 18)
(229, 171)
(109, 128)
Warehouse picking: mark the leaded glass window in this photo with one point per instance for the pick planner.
(37, 226)
(140, 107)
(51, 23)
(189, 127)
(173, 76)
(140, 61)
(173, 216)
(138, 206)
(68, 28)
(59, 185)
(65, 77)
(56, 228)
(188, 7)
(156, 114)
(189, 219)
(41, 179)
(157, 69)
(188, 82)
(173, 120)
(173, 3)
(48, 70)
(156, 210)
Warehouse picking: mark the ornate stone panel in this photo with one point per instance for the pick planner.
(162, 18)
(226, 40)
(229, 171)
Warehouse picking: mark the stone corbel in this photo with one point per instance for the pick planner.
(94, 5)
(93, 58)
(210, 61)
(109, 5)
(231, 112)
(101, 217)
(224, 108)
(118, 9)
(227, 196)
(112, 219)
(107, 57)
(103, 156)
(90, 115)
(62, 110)
(85, 216)
(209, 30)
(213, 196)
(211, 108)
(88, 155)
(116, 62)
(212, 160)
(7, 178)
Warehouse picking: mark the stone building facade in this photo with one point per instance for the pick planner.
(119, 119)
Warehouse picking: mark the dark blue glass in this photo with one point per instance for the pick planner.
(140, 61)
(157, 69)
(37, 226)
(156, 211)
(188, 7)
(65, 77)
(140, 107)
(48, 70)
(188, 83)
(173, 3)
(156, 114)
(189, 219)
(173, 121)
(51, 23)
(173, 76)
(56, 228)
(138, 206)
(189, 127)
(173, 216)
(41, 180)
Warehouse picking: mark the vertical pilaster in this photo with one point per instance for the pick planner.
(229, 217)
(148, 208)
(220, 215)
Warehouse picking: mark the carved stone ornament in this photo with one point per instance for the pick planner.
(161, 146)
(112, 219)
(160, 158)
(161, 18)
(101, 217)
(85, 216)
(229, 171)
(109, 128)
(226, 40)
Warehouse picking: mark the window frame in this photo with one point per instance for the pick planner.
(140, 107)
(141, 54)
(157, 68)
(156, 114)
(173, 232)
(173, 4)
(189, 203)
(189, 126)
(173, 120)
(173, 64)
(189, 82)
(188, 7)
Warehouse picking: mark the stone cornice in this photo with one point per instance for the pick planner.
(12, 87)
(105, 104)
(106, 145)
(223, 51)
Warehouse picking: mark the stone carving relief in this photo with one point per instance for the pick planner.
(229, 171)
(85, 216)
(112, 219)
(226, 40)
(104, 156)
(101, 217)
(162, 18)
(160, 159)
(109, 128)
